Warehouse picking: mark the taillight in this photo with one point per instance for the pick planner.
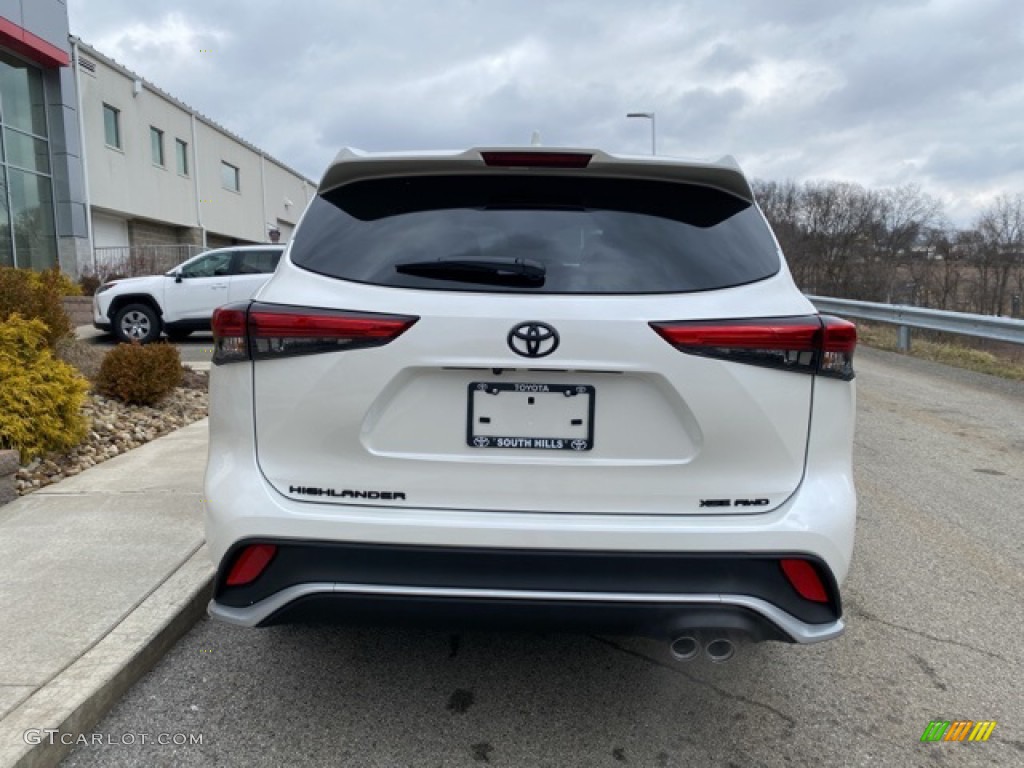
(536, 159)
(840, 339)
(810, 344)
(248, 566)
(270, 331)
(230, 339)
(804, 578)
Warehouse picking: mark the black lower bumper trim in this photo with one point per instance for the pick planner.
(758, 575)
(658, 621)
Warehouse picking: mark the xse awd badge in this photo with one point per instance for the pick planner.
(735, 502)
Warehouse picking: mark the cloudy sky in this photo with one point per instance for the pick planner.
(881, 93)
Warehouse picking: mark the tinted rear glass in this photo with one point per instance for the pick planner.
(257, 262)
(583, 235)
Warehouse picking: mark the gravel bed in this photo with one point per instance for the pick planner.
(115, 428)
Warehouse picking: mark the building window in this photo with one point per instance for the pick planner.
(229, 177)
(27, 151)
(32, 213)
(112, 126)
(28, 236)
(156, 141)
(181, 152)
(24, 100)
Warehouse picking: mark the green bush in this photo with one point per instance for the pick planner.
(36, 295)
(41, 397)
(138, 374)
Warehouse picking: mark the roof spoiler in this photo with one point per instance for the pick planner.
(351, 165)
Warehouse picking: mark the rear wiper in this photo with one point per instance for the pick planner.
(520, 272)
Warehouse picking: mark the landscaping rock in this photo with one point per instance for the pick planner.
(8, 468)
(116, 428)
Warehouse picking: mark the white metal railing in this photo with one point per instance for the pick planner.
(907, 317)
(136, 260)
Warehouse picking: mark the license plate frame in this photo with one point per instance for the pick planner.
(578, 438)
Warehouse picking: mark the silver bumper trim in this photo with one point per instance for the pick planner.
(799, 631)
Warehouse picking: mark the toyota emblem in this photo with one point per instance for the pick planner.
(533, 339)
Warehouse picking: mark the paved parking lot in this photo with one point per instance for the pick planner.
(197, 348)
(934, 632)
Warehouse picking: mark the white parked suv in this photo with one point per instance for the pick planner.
(540, 387)
(182, 300)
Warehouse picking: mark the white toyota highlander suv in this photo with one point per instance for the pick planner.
(534, 387)
(182, 300)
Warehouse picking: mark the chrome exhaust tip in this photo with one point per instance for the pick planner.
(684, 648)
(720, 649)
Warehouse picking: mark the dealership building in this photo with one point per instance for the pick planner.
(99, 166)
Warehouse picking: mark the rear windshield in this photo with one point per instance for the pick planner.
(535, 234)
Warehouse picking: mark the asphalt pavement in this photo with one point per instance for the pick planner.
(934, 633)
(195, 351)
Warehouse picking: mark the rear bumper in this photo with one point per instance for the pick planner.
(656, 594)
(631, 574)
(660, 616)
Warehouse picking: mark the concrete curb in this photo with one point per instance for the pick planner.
(79, 696)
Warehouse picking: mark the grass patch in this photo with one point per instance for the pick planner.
(1006, 363)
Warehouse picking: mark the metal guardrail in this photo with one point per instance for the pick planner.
(907, 317)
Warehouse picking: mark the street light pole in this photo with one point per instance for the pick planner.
(649, 116)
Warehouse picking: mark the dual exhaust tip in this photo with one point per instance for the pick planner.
(718, 647)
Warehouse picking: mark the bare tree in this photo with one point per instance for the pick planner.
(938, 273)
(895, 245)
(902, 216)
(782, 204)
(837, 218)
(1001, 227)
(972, 251)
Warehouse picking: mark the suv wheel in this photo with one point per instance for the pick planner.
(137, 322)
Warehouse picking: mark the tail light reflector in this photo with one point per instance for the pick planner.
(230, 339)
(536, 159)
(804, 578)
(840, 339)
(810, 344)
(248, 566)
(271, 331)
